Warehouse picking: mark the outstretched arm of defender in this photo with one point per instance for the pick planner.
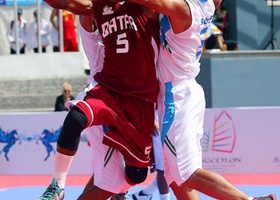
(78, 7)
(178, 12)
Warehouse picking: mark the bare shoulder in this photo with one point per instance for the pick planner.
(182, 19)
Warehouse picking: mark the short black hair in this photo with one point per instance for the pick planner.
(19, 11)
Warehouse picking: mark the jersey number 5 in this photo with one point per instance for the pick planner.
(123, 43)
(148, 150)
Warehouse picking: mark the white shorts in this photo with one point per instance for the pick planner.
(181, 107)
(157, 147)
(108, 164)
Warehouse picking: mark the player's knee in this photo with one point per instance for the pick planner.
(74, 123)
(136, 175)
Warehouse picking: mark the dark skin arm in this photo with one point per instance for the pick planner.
(78, 7)
(178, 11)
(87, 23)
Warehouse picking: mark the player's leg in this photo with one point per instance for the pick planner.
(67, 146)
(108, 167)
(95, 193)
(78, 118)
(214, 185)
(184, 192)
(89, 184)
(91, 191)
(147, 192)
(183, 149)
(68, 143)
(127, 131)
(162, 185)
(159, 182)
(132, 130)
(159, 162)
(205, 181)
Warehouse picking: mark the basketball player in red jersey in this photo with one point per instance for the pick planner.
(125, 91)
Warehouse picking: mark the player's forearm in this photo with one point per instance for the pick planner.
(58, 4)
(176, 8)
(78, 7)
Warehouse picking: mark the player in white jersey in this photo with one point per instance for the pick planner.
(181, 102)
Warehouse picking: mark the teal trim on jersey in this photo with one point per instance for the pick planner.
(169, 112)
(199, 53)
(170, 146)
(164, 27)
(108, 156)
(203, 31)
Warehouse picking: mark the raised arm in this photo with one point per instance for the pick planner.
(178, 12)
(78, 7)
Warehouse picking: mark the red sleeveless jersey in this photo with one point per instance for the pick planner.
(131, 41)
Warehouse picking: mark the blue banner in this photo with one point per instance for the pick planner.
(2, 2)
(20, 2)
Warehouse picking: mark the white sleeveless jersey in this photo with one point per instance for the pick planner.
(180, 53)
(94, 50)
